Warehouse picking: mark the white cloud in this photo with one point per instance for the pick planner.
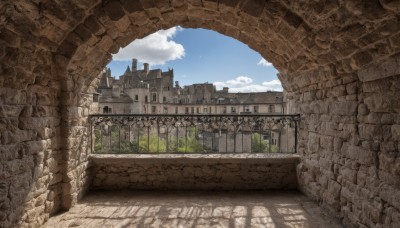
(245, 84)
(155, 49)
(272, 83)
(241, 80)
(264, 62)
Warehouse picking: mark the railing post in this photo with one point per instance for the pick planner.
(148, 139)
(91, 135)
(295, 135)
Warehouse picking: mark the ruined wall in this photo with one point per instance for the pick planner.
(349, 142)
(197, 172)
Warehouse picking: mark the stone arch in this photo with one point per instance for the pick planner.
(339, 62)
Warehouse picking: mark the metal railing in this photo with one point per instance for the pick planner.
(144, 133)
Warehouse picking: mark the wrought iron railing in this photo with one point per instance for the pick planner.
(143, 133)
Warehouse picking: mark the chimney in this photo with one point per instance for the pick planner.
(134, 65)
(146, 67)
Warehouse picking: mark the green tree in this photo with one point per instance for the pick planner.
(259, 145)
(152, 144)
(191, 144)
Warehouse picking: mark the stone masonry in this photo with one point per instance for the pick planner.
(338, 60)
(194, 172)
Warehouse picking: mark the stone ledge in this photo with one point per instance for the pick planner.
(194, 171)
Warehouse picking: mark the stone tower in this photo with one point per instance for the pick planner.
(134, 65)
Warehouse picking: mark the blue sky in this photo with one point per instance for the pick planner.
(198, 56)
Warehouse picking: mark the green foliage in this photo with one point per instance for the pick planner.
(191, 144)
(155, 144)
(152, 144)
(259, 145)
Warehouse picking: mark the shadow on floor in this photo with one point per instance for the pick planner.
(194, 209)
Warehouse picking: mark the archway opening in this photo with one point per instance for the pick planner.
(198, 72)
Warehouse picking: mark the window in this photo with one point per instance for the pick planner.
(210, 110)
(205, 110)
(136, 97)
(246, 108)
(224, 110)
(175, 100)
(164, 99)
(145, 99)
(154, 97)
(233, 109)
(186, 110)
(153, 109)
(176, 110)
(197, 110)
(165, 110)
(106, 109)
(271, 108)
(192, 110)
(255, 109)
(95, 97)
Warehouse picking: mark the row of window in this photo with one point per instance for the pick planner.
(153, 98)
(197, 110)
(246, 108)
(191, 110)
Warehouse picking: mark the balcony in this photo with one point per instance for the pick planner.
(194, 171)
(208, 152)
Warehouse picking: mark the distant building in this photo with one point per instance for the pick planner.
(154, 92)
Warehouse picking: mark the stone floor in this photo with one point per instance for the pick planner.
(194, 209)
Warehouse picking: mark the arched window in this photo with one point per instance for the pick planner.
(106, 109)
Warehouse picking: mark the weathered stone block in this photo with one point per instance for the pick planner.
(84, 33)
(366, 157)
(346, 108)
(396, 132)
(132, 6)
(349, 175)
(383, 69)
(253, 8)
(114, 10)
(370, 131)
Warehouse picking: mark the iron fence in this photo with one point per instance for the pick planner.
(143, 133)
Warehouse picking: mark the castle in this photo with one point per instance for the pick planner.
(154, 92)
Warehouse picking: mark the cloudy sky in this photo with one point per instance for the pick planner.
(199, 56)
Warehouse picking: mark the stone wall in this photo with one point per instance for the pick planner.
(30, 147)
(197, 172)
(349, 143)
